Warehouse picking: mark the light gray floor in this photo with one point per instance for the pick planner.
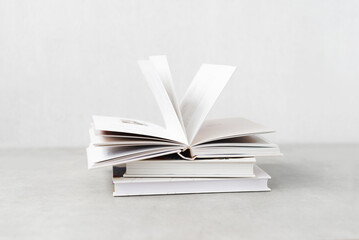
(50, 194)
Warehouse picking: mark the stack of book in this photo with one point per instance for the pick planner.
(189, 154)
(174, 176)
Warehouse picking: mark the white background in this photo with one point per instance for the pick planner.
(63, 61)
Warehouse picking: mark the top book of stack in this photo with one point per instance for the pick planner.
(117, 140)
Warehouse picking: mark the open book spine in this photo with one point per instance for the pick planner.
(187, 154)
(118, 140)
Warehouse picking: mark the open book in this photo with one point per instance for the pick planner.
(117, 140)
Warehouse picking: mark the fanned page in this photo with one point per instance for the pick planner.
(130, 126)
(108, 156)
(161, 64)
(202, 94)
(153, 78)
(119, 140)
(218, 129)
(103, 140)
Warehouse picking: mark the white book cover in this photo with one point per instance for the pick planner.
(117, 140)
(177, 167)
(159, 186)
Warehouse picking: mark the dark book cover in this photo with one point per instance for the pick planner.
(118, 171)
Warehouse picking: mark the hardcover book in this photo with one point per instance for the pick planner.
(123, 186)
(172, 166)
(117, 140)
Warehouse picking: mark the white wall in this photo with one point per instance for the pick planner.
(63, 61)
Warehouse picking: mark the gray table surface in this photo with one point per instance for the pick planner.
(50, 194)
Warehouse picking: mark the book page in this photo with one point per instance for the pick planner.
(161, 64)
(217, 129)
(129, 126)
(173, 124)
(202, 94)
(134, 156)
(116, 141)
(103, 153)
(128, 135)
(243, 141)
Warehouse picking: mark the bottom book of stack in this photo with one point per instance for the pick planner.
(169, 176)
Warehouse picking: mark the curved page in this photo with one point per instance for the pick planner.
(132, 157)
(161, 64)
(218, 129)
(202, 94)
(153, 78)
(125, 125)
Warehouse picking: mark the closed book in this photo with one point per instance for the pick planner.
(176, 167)
(159, 186)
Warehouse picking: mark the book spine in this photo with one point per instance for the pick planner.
(187, 154)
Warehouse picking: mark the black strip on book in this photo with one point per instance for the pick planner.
(118, 171)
